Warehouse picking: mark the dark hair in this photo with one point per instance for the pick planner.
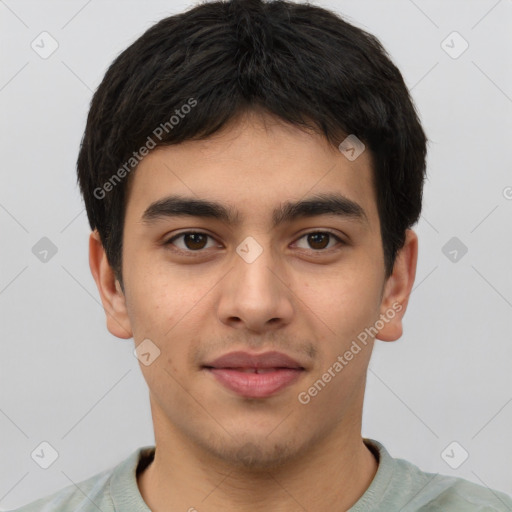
(302, 63)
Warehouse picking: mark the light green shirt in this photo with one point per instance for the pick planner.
(398, 486)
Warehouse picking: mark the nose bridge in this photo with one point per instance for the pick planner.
(255, 295)
(255, 258)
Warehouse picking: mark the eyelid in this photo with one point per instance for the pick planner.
(339, 239)
(189, 232)
(324, 231)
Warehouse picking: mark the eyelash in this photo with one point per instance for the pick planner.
(190, 251)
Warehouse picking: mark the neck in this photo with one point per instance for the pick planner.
(333, 472)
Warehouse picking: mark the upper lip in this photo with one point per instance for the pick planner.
(242, 359)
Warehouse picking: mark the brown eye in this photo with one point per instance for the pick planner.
(319, 240)
(195, 241)
(190, 241)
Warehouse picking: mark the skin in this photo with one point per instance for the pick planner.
(218, 451)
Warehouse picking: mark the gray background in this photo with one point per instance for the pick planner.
(67, 381)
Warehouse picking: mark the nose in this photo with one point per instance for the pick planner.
(254, 294)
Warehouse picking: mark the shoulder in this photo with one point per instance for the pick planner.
(416, 490)
(442, 493)
(105, 491)
(460, 494)
(87, 495)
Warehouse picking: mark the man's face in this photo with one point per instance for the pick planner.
(306, 287)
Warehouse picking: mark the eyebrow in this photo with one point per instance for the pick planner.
(321, 204)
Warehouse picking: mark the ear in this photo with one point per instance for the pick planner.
(112, 297)
(397, 289)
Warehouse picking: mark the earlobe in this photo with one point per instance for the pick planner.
(398, 288)
(112, 297)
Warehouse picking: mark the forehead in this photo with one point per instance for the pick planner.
(253, 164)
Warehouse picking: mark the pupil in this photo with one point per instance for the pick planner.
(196, 240)
(314, 239)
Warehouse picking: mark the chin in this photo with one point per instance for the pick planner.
(254, 455)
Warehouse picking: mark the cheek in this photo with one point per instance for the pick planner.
(155, 304)
(158, 312)
(346, 300)
(149, 287)
(343, 305)
(165, 305)
(149, 305)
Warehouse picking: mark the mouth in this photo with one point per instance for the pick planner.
(255, 375)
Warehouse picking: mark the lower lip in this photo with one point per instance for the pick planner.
(255, 385)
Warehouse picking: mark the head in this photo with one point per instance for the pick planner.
(242, 112)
